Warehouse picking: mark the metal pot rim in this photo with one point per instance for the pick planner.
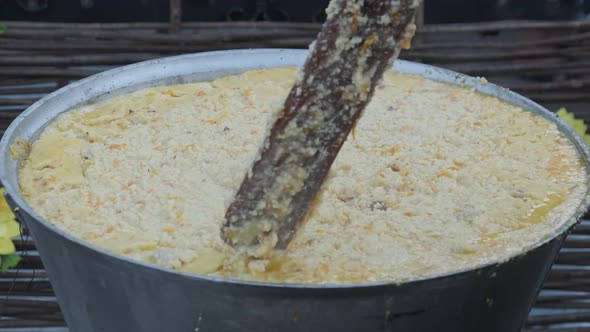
(296, 57)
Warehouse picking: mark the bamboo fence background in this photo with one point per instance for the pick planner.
(546, 61)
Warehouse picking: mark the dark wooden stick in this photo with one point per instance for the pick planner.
(257, 31)
(568, 274)
(423, 52)
(559, 329)
(554, 319)
(52, 72)
(29, 323)
(23, 274)
(175, 14)
(564, 305)
(431, 28)
(158, 26)
(17, 101)
(16, 52)
(559, 97)
(49, 305)
(16, 311)
(554, 64)
(26, 90)
(114, 58)
(12, 113)
(571, 242)
(261, 32)
(336, 83)
(31, 262)
(506, 25)
(41, 286)
(544, 298)
(209, 37)
(22, 245)
(75, 60)
(483, 55)
(20, 82)
(582, 229)
(567, 85)
(84, 46)
(571, 39)
(420, 17)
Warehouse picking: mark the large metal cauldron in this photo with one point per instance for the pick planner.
(100, 291)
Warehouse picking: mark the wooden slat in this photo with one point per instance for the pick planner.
(438, 28)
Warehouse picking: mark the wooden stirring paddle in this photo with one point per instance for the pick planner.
(357, 44)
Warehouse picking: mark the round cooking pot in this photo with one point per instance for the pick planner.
(101, 291)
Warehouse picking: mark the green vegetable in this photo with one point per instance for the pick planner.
(9, 262)
(577, 124)
(9, 229)
(3, 28)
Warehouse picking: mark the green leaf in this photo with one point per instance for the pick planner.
(9, 262)
(577, 124)
(3, 28)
